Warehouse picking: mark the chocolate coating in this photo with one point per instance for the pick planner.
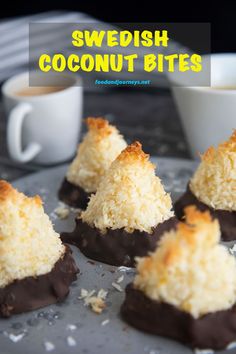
(227, 219)
(116, 247)
(34, 292)
(73, 195)
(211, 331)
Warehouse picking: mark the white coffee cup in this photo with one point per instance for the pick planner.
(208, 114)
(42, 127)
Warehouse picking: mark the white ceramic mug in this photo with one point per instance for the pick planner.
(45, 127)
(208, 114)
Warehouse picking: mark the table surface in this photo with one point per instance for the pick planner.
(149, 116)
(31, 332)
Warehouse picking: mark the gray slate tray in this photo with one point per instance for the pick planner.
(71, 327)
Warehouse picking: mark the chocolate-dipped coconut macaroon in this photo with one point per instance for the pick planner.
(186, 289)
(213, 187)
(128, 213)
(36, 269)
(100, 146)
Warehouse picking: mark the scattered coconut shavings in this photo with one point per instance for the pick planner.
(71, 341)
(91, 293)
(95, 302)
(15, 337)
(204, 351)
(49, 346)
(120, 279)
(62, 212)
(102, 294)
(83, 293)
(123, 269)
(105, 322)
(71, 327)
(117, 287)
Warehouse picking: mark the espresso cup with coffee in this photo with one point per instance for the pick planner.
(208, 113)
(43, 122)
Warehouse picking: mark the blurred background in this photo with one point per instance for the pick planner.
(222, 18)
(145, 114)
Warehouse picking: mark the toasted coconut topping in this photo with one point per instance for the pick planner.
(28, 244)
(214, 182)
(190, 269)
(129, 196)
(134, 152)
(100, 146)
(100, 126)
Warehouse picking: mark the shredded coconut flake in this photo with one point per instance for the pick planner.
(124, 269)
(120, 279)
(71, 327)
(105, 322)
(102, 294)
(96, 303)
(204, 351)
(83, 293)
(49, 346)
(71, 341)
(62, 212)
(16, 337)
(117, 287)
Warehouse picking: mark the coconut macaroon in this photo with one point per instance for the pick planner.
(31, 252)
(130, 196)
(100, 146)
(129, 211)
(214, 182)
(187, 286)
(213, 187)
(182, 271)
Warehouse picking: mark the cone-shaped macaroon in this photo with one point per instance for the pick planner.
(100, 146)
(36, 269)
(186, 289)
(128, 213)
(213, 187)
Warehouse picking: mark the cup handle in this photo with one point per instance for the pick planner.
(14, 134)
